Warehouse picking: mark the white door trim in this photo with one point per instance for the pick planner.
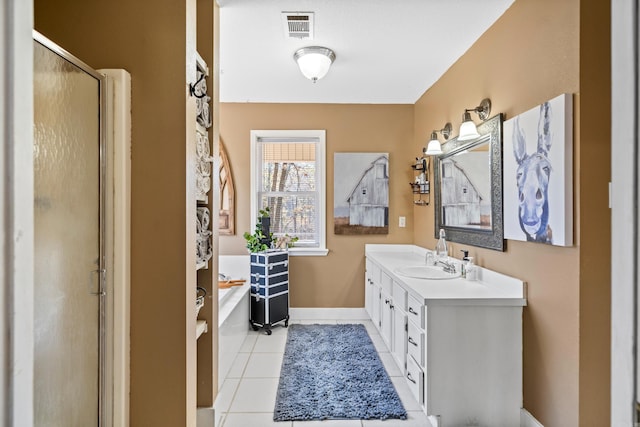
(16, 215)
(118, 242)
(624, 228)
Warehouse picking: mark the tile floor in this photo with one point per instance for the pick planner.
(248, 395)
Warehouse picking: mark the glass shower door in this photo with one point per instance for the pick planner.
(68, 255)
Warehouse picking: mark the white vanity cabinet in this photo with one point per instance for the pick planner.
(381, 305)
(368, 288)
(399, 347)
(415, 380)
(386, 318)
(372, 297)
(416, 343)
(386, 309)
(458, 343)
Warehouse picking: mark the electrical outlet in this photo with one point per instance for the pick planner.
(402, 222)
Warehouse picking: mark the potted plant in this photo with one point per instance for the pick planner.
(262, 238)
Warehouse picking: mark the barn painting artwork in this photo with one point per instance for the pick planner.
(538, 174)
(466, 189)
(361, 193)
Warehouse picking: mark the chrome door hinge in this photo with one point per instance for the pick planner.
(101, 282)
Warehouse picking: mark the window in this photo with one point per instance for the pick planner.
(288, 176)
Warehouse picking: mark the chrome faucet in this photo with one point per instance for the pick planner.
(448, 267)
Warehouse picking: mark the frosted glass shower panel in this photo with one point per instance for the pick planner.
(67, 242)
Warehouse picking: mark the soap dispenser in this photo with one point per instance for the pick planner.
(441, 247)
(471, 270)
(465, 263)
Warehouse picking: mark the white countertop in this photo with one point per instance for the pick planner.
(492, 288)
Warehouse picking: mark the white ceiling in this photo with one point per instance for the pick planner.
(387, 51)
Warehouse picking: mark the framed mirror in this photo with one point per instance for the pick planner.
(227, 194)
(468, 188)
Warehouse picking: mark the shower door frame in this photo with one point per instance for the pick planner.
(102, 287)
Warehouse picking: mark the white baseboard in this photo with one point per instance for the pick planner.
(527, 420)
(309, 313)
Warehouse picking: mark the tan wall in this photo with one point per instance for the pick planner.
(531, 54)
(336, 280)
(594, 218)
(149, 39)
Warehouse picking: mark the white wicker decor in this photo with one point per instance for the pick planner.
(202, 101)
(203, 165)
(204, 249)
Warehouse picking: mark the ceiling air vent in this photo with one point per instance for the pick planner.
(298, 25)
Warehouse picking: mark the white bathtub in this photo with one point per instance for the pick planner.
(225, 294)
(233, 314)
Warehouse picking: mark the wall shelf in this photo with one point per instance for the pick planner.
(421, 185)
(202, 65)
(201, 328)
(204, 87)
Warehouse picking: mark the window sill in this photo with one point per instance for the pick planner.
(308, 251)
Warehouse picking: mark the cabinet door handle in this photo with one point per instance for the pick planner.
(410, 378)
(411, 341)
(411, 311)
(392, 306)
(386, 301)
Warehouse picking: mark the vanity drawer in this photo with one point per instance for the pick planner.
(386, 282)
(415, 380)
(399, 297)
(415, 311)
(415, 343)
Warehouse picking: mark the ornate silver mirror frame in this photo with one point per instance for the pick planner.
(491, 237)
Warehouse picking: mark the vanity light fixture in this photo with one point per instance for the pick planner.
(468, 129)
(434, 148)
(314, 61)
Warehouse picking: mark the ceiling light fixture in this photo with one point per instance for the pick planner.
(434, 148)
(314, 61)
(468, 129)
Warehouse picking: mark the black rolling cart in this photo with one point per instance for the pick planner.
(269, 289)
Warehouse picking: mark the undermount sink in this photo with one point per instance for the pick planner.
(426, 272)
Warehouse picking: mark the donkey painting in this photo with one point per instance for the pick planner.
(533, 174)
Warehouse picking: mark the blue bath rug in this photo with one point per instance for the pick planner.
(334, 372)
